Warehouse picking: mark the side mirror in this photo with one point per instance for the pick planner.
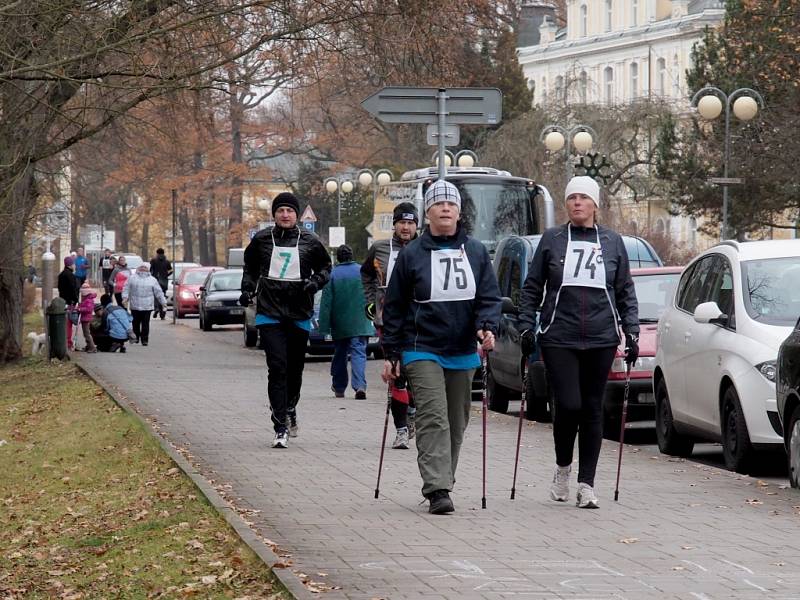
(202, 288)
(709, 312)
(508, 307)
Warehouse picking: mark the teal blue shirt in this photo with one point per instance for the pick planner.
(305, 324)
(461, 362)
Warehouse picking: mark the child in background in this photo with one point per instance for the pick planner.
(86, 308)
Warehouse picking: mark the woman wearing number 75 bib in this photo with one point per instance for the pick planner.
(442, 299)
(581, 268)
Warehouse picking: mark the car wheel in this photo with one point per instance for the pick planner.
(250, 336)
(178, 313)
(669, 440)
(736, 446)
(496, 394)
(793, 447)
(205, 324)
(539, 403)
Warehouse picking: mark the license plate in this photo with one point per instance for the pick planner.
(647, 399)
(237, 311)
(328, 338)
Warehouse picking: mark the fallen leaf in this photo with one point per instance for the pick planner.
(208, 579)
(753, 501)
(195, 544)
(631, 540)
(760, 483)
(687, 547)
(678, 568)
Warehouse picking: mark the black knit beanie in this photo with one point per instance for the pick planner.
(405, 211)
(285, 199)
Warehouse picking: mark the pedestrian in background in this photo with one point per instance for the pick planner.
(107, 264)
(375, 274)
(582, 270)
(81, 266)
(142, 293)
(284, 266)
(442, 298)
(341, 315)
(86, 309)
(118, 323)
(119, 277)
(69, 291)
(161, 268)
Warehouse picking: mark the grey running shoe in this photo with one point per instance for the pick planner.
(401, 441)
(293, 426)
(440, 502)
(586, 497)
(281, 439)
(559, 491)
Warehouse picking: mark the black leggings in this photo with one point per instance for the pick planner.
(578, 379)
(284, 344)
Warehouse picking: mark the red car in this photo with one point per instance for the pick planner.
(654, 288)
(187, 290)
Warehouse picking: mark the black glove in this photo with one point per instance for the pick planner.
(244, 299)
(631, 348)
(369, 311)
(311, 287)
(527, 340)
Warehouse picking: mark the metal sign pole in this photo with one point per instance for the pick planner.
(174, 219)
(442, 122)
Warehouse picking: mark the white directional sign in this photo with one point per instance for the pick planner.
(469, 106)
(335, 236)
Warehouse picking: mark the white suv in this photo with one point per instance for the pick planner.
(714, 377)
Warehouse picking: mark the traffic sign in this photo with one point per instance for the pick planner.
(335, 236)
(308, 225)
(473, 106)
(451, 135)
(308, 216)
(726, 180)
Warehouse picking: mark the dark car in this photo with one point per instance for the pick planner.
(504, 378)
(318, 344)
(787, 383)
(218, 303)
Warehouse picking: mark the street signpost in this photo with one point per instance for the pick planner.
(452, 135)
(335, 236)
(726, 180)
(437, 106)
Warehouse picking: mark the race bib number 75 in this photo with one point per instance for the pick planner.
(452, 278)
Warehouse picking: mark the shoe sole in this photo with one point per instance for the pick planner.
(587, 504)
(400, 447)
(443, 510)
(279, 445)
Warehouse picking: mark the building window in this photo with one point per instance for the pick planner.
(634, 80)
(660, 227)
(386, 223)
(559, 88)
(661, 77)
(608, 82)
(583, 86)
(609, 14)
(544, 90)
(676, 77)
(584, 21)
(634, 13)
(692, 232)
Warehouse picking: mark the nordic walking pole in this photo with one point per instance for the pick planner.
(385, 428)
(484, 365)
(622, 427)
(519, 429)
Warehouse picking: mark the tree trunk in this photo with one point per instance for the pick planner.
(212, 229)
(202, 230)
(20, 190)
(186, 231)
(124, 233)
(235, 201)
(145, 229)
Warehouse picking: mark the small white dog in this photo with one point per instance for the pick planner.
(37, 341)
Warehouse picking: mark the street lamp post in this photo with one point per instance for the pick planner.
(338, 184)
(709, 102)
(580, 137)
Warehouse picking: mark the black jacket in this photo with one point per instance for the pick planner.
(285, 299)
(374, 270)
(160, 268)
(584, 318)
(444, 328)
(68, 287)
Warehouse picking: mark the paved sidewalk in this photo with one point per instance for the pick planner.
(680, 530)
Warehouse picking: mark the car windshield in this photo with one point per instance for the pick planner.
(180, 267)
(653, 292)
(226, 281)
(771, 290)
(195, 277)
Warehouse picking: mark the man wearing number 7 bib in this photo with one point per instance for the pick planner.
(442, 299)
(284, 266)
(582, 271)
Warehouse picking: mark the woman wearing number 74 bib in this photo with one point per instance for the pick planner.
(581, 268)
(442, 299)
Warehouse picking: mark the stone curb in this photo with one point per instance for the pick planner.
(286, 576)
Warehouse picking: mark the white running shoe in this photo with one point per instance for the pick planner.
(401, 441)
(586, 497)
(559, 491)
(281, 439)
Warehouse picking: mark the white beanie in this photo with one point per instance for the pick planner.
(583, 185)
(442, 191)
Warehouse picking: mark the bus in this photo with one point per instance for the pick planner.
(494, 203)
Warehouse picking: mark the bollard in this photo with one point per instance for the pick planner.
(48, 276)
(57, 328)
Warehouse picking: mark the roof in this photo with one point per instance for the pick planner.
(761, 248)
